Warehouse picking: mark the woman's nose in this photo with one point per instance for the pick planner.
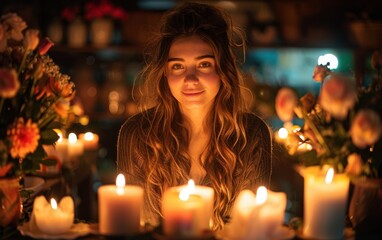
(191, 76)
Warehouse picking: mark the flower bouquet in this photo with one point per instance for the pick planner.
(35, 98)
(342, 126)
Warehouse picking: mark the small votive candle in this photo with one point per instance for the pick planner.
(257, 216)
(75, 146)
(119, 208)
(186, 210)
(51, 218)
(90, 140)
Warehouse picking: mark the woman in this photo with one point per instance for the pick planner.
(197, 126)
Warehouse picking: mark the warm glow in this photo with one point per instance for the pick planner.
(283, 133)
(184, 194)
(120, 183)
(89, 136)
(72, 138)
(328, 59)
(60, 138)
(261, 195)
(53, 203)
(329, 176)
(305, 147)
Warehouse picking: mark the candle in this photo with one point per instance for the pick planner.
(325, 199)
(257, 216)
(52, 218)
(62, 148)
(187, 210)
(75, 146)
(119, 208)
(90, 140)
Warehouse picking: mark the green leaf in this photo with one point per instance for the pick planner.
(48, 137)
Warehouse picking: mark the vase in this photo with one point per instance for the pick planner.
(101, 32)
(77, 33)
(10, 200)
(55, 31)
(365, 208)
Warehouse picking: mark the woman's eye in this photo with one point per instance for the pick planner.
(205, 64)
(177, 67)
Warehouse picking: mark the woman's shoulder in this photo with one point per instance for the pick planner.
(252, 120)
(139, 120)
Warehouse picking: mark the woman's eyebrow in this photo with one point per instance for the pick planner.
(197, 58)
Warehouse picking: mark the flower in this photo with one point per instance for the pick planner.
(342, 125)
(31, 90)
(103, 8)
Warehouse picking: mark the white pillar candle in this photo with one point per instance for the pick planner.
(90, 140)
(257, 216)
(62, 148)
(75, 146)
(51, 218)
(325, 199)
(187, 210)
(119, 208)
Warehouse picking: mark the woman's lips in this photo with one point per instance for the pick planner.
(192, 93)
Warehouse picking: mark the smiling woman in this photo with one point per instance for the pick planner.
(195, 124)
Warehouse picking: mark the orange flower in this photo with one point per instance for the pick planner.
(9, 83)
(31, 39)
(23, 137)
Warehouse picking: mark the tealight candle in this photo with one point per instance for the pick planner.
(90, 140)
(184, 213)
(257, 216)
(75, 146)
(52, 218)
(119, 208)
(325, 200)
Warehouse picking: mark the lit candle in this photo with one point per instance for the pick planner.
(257, 216)
(53, 219)
(187, 210)
(119, 208)
(325, 199)
(62, 147)
(75, 146)
(90, 140)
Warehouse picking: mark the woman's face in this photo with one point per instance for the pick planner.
(191, 73)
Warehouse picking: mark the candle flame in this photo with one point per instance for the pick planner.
(53, 203)
(89, 136)
(283, 133)
(60, 137)
(329, 176)
(184, 194)
(72, 138)
(120, 182)
(261, 195)
(191, 186)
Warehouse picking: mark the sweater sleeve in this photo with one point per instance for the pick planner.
(261, 159)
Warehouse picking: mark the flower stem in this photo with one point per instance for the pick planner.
(22, 62)
(317, 133)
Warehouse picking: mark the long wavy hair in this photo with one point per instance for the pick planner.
(165, 134)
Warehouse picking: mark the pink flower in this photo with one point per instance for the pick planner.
(338, 95)
(23, 137)
(286, 101)
(354, 166)
(320, 72)
(366, 128)
(9, 83)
